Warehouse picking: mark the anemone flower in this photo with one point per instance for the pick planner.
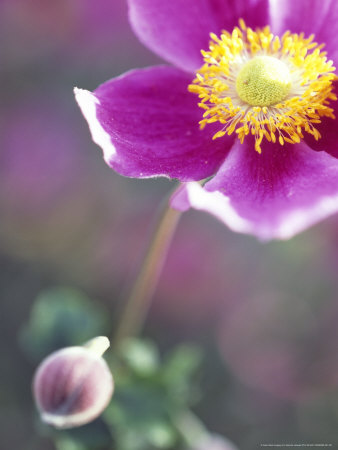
(247, 110)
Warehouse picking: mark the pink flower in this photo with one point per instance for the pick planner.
(268, 136)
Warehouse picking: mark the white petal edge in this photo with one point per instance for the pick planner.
(220, 206)
(214, 203)
(87, 103)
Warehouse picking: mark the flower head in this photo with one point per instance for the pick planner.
(72, 386)
(255, 83)
(251, 102)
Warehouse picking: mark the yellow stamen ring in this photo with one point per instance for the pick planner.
(252, 82)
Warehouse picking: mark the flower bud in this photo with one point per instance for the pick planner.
(72, 386)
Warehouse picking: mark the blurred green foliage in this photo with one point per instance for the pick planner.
(153, 394)
(61, 317)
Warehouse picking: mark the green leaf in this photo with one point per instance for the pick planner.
(61, 317)
(161, 435)
(141, 356)
(182, 363)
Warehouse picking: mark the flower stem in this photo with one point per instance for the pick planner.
(140, 297)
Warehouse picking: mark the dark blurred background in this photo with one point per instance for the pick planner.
(264, 315)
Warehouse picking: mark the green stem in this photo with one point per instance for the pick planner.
(190, 427)
(140, 297)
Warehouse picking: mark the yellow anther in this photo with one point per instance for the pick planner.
(273, 88)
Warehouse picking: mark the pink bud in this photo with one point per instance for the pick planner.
(72, 386)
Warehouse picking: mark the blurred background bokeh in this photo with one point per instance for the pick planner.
(262, 317)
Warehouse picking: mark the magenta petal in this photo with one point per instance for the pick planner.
(146, 122)
(328, 129)
(273, 195)
(177, 30)
(318, 17)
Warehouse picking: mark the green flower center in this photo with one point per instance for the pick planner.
(263, 81)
